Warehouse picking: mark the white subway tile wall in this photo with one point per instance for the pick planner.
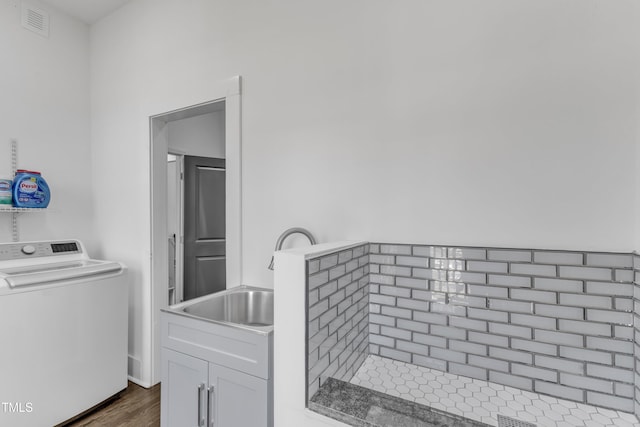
(338, 316)
(636, 328)
(560, 323)
(543, 321)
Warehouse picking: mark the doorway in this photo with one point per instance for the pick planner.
(195, 201)
(163, 129)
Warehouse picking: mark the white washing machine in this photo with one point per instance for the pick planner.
(63, 332)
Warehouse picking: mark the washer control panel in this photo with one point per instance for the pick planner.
(28, 249)
(13, 251)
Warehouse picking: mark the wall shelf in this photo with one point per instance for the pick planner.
(14, 211)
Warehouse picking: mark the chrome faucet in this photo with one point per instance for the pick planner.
(287, 233)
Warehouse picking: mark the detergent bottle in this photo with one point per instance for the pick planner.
(5, 191)
(30, 190)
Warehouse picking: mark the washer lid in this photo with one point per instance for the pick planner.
(56, 272)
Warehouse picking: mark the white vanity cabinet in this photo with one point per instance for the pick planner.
(214, 375)
(184, 379)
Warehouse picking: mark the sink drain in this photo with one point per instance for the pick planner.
(512, 422)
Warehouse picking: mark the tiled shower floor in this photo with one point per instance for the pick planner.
(481, 400)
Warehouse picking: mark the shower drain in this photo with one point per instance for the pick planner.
(512, 422)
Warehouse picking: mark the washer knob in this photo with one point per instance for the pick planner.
(28, 249)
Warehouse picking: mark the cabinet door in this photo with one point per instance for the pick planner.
(183, 392)
(237, 399)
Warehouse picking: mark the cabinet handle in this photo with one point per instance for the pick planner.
(210, 395)
(200, 417)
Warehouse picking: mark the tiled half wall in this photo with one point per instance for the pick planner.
(636, 330)
(555, 322)
(337, 315)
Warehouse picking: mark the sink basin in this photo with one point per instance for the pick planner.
(247, 307)
(243, 306)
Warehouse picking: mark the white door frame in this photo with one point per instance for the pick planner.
(230, 92)
(179, 212)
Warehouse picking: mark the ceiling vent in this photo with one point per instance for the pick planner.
(34, 19)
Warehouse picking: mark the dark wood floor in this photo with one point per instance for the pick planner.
(136, 407)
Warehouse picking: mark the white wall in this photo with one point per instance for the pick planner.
(501, 122)
(637, 151)
(45, 106)
(198, 136)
